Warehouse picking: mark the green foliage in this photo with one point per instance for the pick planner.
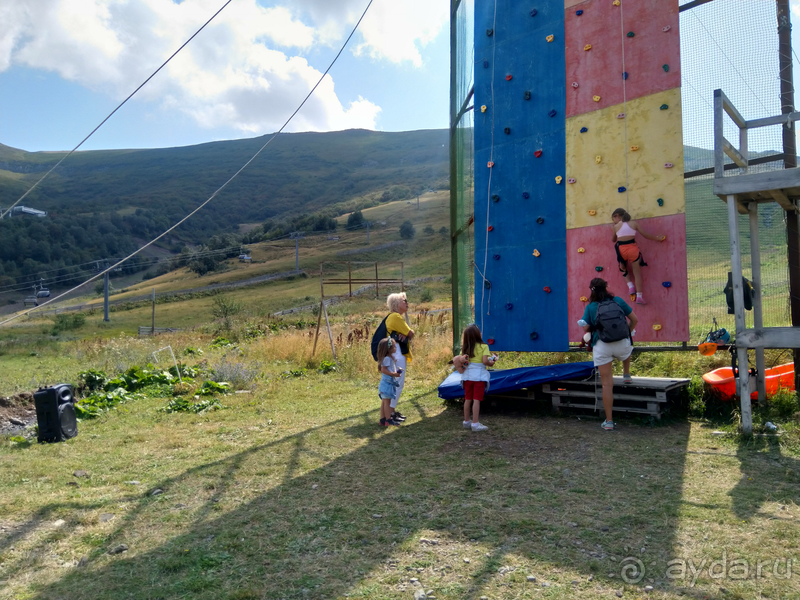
(429, 230)
(783, 405)
(225, 308)
(294, 373)
(443, 230)
(93, 379)
(220, 342)
(327, 366)
(98, 402)
(100, 288)
(209, 388)
(193, 351)
(183, 404)
(185, 371)
(136, 378)
(67, 322)
(355, 220)
(407, 230)
(426, 295)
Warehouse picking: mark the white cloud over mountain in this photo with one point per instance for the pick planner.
(245, 70)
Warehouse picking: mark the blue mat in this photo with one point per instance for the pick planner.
(515, 379)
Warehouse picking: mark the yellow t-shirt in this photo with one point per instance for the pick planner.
(395, 323)
(480, 351)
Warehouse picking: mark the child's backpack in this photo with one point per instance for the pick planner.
(379, 334)
(612, 325)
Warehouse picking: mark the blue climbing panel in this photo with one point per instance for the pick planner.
(520, 79)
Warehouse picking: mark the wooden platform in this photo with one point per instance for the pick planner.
(644, 395)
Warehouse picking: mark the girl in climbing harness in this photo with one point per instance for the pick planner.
(475, 379)
(625, 231)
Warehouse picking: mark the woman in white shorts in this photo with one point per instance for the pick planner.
(604, 353)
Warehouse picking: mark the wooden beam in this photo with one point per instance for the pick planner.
(781, 199)
(734, 154)
(734, 114)
(780, 119)
(769, 337)
(785, 179)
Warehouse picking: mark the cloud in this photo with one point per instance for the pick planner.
(246, 70)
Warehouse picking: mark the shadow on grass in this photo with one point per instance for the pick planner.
(561, 494)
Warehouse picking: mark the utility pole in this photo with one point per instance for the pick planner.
(105, 296)
(367, 233)
(296, 235)
(789, 162)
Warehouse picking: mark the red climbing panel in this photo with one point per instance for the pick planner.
(668, 307)
(598, 71)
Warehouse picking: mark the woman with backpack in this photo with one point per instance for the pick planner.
(612, 323)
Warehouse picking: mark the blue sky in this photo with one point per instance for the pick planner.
(65, 64)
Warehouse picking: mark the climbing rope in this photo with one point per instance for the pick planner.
(624, 109)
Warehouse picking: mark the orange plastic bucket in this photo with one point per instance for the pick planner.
(723, 384)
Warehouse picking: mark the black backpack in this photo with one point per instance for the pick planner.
(612, 325)
(379, 334)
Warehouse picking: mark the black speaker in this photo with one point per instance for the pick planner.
(55, 413)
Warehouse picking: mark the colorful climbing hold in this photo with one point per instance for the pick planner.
(507, 130)
(509, 77)
(509, 306)
(625, 75)
(536, 252)
(540, 220)
(587, 47)
(592, 213)
(633, 297)
(552, 113)
(584, 129)
(496, 257)
(581, 250)
(546, 289)
(615, 3)
(490, 32)
(526, 195)
(668, 165)
(596, 98)
(537, 153)
(598, 269)
(549, 38)
(483, 108)
(575, 84)
(490, 228)
(665, 67)
(660, 201)
(630, 34)
(578, 13)
(534, 12)
(634, 148)
(571, 180)
(622, 188)
(495, 198)
(664, 107)
(490, 164)
(656, 326)
(487, 284)
(490, 341)
(558, 179)
(598, 159)
(621, 115)
(584, 299)
(666, 284)
(665, 29)
(534, 336)
(527, 95)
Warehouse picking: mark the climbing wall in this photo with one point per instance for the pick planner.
(577, 112)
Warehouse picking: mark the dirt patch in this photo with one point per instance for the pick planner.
(21, 409)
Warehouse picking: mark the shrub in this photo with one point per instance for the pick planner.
(407, 230)
(181, 404)
(426, 295)
(444, 230)
(327, 366)
(225, 308)
(238, 374)
(429, 230)
(209, 388)
(66, 322)
(93, 379)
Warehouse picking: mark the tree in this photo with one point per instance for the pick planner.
(355, 220)
(407, 230)
(429, 230)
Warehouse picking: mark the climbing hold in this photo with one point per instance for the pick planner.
(571, 180)
(584, 129)
(622, 188)
(630, 34)
(486, 64)
(615, 3)
(666, 68)
(558, 179)
(490, 32)
(656, 326)
(526, 195)
(487, 284)
(578, 13)
(546, 289)
(509, 77)
(664, 107)
(534, 335)
(666, 284)
(490, 164)
(483, 108)
(598, 269)
(549, 38)
(496, 257)
(534, 12)
(536, 253)
(552, 113)
(634, 148)
(621, 116)
(507, 130)
(660, 201)
(665, 29)
(495, 198)
(584, 299)
(592, 213)
(575, 84)
(537, 153)
(490, 341)
(490, 228)
(596, 98)
(625, 75)
(581, 250)
(527, 95)
(540, 220)
(509, 306)
(668, 165)
(598, 159)
(587, 47)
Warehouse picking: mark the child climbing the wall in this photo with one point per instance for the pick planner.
(625, 231)
(387, 389)
(475, 357)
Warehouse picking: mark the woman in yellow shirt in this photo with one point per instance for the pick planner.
(398, 329)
